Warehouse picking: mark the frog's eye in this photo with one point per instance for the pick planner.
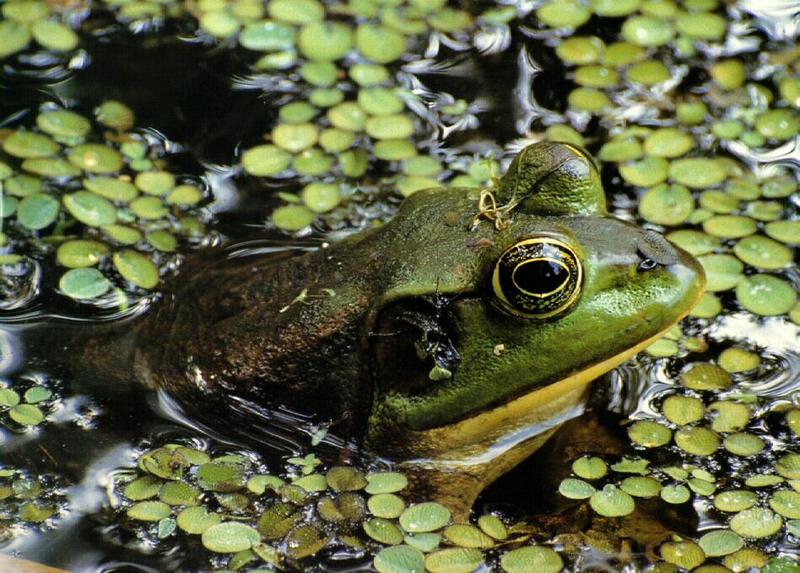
(537, 278)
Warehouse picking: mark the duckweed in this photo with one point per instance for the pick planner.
(738, 360)
(697, 440)
(684, 554)
(735, 500)
(536, 558)
(572, 488)
(590, 467)
(640, 486)
(786, 503)
(84, 283)
(720, 542)
(766, 295)
(743, 444)
(612, 502)
(667, 205)
(649, 434)
(385, 482)
(647, 172)
(682, 410)
(229, 537)
(466, 535)
(756, 523)
(424, 517)
(386, 505)
(493, 527)
(454, 560)
(704, 376)
(401, 559)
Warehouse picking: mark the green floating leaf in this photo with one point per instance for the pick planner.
(454, 560)
(786, 503)
(344, 478)
(115, 115)
(385, 482)
(766, 295)
(572, 488)
(83, 283)
(386, 505)
(16, 37)
(383, 531)
(34, 513)
(37, 211)
(292, 217)
(735, 500)
(95, 158)
(8, 397)
(612, 502)
(756, 523)
(220, 477)
(149, 511)
(63, 123)
(305, 541)
(467, 535)
(424, 517)
(166, 527)
(590, 467)
(527, 559)
(720, 542)
(789, 466)
(90, 209)
(493, 527)
(142, 488)
(179, 493)
(195, 520)
(649, 434)
(54, 35)
(277, 520)
(400, 559)
(312, 482)
(30, 145)
(26, 415)
(640, 486)
(137, 268)
(685, 554)
(229, 537)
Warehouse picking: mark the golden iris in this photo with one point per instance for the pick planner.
(537, 278)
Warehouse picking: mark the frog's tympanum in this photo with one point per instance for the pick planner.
(452, 340)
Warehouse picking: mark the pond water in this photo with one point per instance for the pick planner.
(141, 140)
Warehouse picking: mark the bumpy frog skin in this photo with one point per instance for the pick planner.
(402, 340)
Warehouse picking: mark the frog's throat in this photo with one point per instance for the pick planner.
(484, 438)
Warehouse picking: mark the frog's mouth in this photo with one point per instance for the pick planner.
(484, 437)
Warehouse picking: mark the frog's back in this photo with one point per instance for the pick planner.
(267, 330)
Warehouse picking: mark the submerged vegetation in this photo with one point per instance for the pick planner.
(691, 109)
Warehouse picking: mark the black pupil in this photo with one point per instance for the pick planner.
(540, 277)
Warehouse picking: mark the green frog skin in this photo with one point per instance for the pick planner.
(452, 340)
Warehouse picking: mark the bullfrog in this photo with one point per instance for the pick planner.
(452, 340)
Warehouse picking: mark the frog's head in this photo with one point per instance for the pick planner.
(488, 334)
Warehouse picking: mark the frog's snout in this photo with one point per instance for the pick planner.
(688, 273)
